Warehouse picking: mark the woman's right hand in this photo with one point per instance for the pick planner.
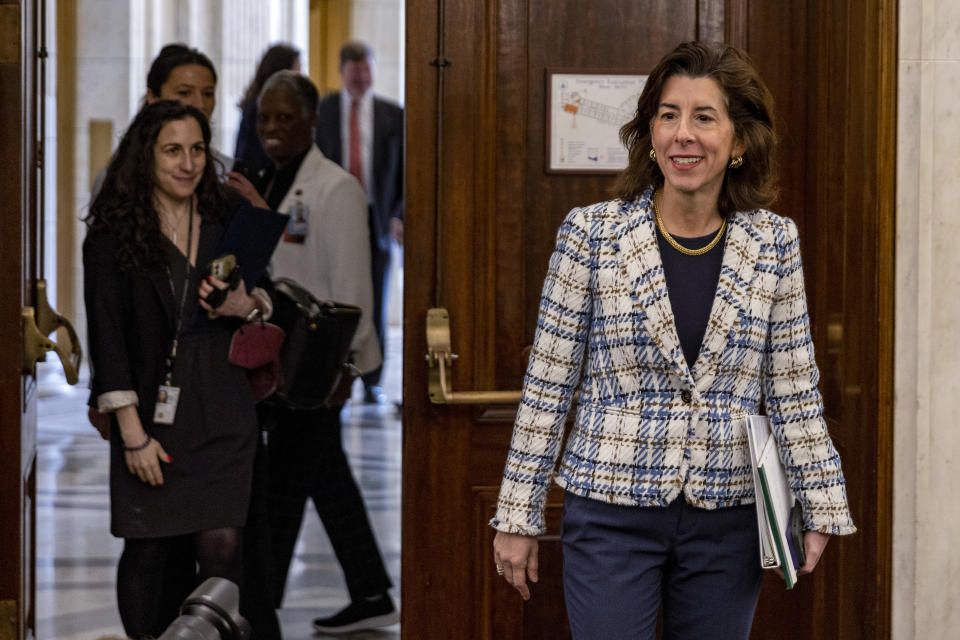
(239, 182)
(518, 556)
(238, 302)
(145, 463)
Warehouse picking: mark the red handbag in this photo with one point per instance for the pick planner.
(256, 347)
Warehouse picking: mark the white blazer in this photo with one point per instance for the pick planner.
(333, 263)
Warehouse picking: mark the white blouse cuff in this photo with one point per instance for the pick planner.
(112, 400)
(266, 304)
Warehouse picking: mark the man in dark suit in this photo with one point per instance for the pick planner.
(364, 134)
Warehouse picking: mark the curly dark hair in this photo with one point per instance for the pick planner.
(125, 204)
(749, 104)
(277, 58)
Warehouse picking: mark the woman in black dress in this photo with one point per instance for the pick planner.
(184, 428)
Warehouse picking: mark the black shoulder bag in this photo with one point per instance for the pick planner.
(317, 344)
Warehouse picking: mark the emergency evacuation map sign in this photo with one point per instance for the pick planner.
(585, 111)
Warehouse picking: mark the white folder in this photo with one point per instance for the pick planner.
(773, 496)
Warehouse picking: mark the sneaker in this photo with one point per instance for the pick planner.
(374, 395)
(363, 614)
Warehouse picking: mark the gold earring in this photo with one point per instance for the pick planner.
(653, 154)
(736, 163)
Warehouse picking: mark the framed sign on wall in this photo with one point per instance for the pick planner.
(585, 110)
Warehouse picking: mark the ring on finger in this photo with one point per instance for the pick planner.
(499, 570)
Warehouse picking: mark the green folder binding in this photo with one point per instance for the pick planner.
(773, 497)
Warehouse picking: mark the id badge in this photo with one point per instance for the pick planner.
(166, 409)
(298, 227)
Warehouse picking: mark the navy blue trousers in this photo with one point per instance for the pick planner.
(621, 564)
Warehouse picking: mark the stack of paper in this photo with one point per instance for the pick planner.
(780, 545)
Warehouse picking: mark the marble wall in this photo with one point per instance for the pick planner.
(116, 42)
(112, 66)
(927, 387)
(381, 24)
(104, 91)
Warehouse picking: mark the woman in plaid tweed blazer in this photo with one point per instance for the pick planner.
(656, 470)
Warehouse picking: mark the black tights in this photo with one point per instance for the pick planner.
(155, 575)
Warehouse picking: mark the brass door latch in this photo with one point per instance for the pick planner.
(37, 325)
(440, 359)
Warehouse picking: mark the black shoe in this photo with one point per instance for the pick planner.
(363, 614)
(374, 395)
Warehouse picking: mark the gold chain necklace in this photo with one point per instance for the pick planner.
(676, 245)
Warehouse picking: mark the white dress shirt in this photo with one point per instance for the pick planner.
(365, 116)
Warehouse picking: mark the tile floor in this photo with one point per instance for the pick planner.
(77, 556)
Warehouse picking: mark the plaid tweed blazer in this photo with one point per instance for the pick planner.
(648, 427)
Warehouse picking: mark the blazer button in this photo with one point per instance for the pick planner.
(686, 396)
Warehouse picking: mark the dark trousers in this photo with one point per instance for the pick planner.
(621, 564)
(256, 599)
(380, 271)
(306, 460)
(154, 576)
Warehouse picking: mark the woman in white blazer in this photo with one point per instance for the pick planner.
(326, 248)
(676, 310)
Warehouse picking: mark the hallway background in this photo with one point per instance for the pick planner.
(927, 350)
(77, 556)
(100, 54)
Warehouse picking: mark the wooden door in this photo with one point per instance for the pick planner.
(22, 55)
(19, 182)
(832, 69)
(482, 215)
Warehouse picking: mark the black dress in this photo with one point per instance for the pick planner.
(213, 438)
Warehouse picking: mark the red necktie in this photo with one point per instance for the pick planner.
(356, 155)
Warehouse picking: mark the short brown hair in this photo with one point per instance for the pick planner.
(355, 51)
(749, 104)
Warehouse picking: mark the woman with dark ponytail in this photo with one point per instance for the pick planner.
(249, 154)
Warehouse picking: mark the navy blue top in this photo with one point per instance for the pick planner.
(691, 285)
(249, 152)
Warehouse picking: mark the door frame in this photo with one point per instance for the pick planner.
(20, 182)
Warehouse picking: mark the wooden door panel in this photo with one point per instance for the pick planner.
(831, 71)
(503, 614)
(612, 35)
(20, 182)
(481, 206)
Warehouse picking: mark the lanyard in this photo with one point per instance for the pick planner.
(171, 358)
